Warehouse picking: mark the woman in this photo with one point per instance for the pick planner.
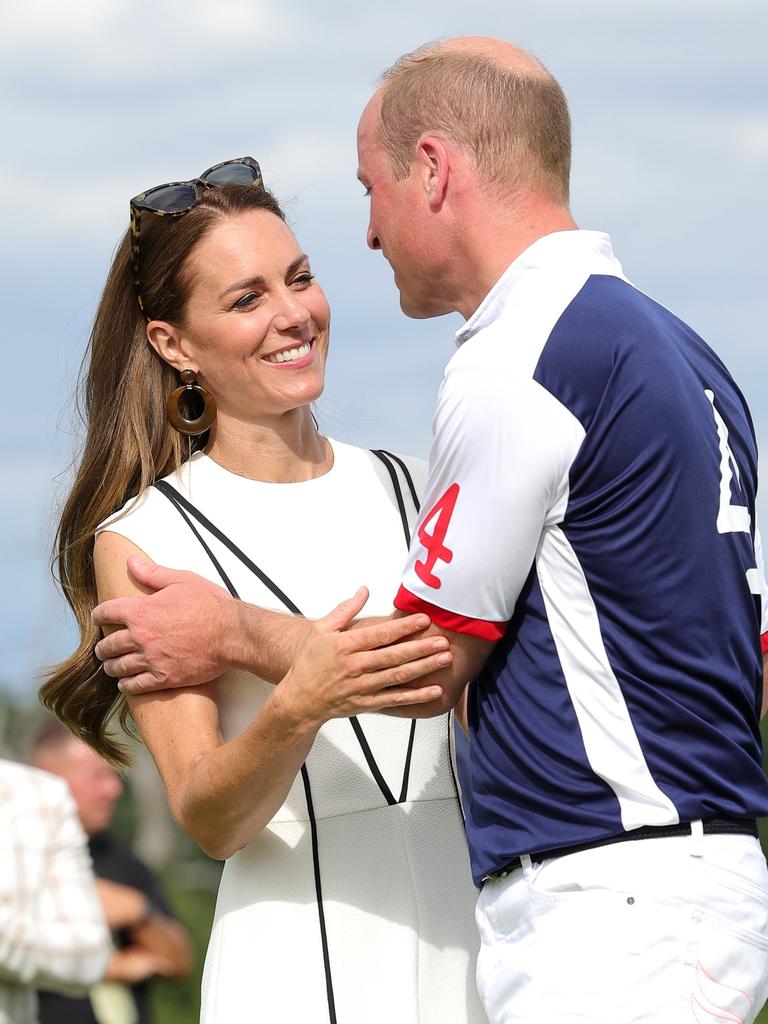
(346, 893)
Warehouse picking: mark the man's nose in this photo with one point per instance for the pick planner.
(373, 239)
(113, 787)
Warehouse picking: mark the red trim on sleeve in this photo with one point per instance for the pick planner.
(408, 602)
(764, 643)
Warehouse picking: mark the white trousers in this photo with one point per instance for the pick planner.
(664, 930)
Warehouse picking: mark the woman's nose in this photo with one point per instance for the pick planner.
(292, 314)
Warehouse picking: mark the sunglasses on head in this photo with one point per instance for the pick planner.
(179, 197)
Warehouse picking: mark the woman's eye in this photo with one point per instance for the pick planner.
(304, 279)
(245, 301)
(367, 191)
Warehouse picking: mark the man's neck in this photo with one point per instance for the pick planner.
(497, 236)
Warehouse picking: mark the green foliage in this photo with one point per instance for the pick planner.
(178, 1002)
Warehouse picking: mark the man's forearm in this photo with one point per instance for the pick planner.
(265, 642)
(190, 631)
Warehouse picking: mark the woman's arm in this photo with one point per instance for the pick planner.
(224, 793)
(221, 794)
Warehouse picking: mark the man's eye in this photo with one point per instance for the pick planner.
(367, 191)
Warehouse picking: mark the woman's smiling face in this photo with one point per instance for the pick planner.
(256, 323)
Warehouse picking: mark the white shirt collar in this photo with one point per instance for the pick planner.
(585, 248)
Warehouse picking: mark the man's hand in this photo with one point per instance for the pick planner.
(183, 634)
(133, 965)
(158, 944)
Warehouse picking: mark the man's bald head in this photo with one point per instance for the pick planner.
(496, 101)
(506, 54)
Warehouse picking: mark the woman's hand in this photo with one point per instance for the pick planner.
(339, 672)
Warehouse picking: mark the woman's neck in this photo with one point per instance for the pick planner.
(287, 449)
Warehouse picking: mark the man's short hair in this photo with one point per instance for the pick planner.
(513, 122)
(52, 739)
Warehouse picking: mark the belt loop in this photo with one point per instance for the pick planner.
(527, 865)
(697, 838)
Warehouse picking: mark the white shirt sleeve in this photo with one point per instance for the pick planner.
(52, 928)
(498, 474)
(763, 587)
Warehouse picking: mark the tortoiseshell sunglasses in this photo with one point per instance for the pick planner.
(179, 197)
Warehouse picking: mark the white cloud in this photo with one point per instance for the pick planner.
(749, 135)
(33, 18)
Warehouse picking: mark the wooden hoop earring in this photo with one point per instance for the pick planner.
(190, 394)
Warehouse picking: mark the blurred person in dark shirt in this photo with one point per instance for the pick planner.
(149, 941)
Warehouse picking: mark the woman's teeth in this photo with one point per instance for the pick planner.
(289, 355)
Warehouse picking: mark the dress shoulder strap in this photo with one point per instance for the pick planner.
(187, 510)
(389, 460)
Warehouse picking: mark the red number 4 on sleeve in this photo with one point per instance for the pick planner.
(438, 519)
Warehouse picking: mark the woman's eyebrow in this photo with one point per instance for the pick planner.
(248, 282)
(257, 281)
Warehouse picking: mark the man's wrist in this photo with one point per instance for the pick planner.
(148, 911)
(232, 626)
(263, 642)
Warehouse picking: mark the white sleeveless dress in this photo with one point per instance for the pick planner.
(372, 830)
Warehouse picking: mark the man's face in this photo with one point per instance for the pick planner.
(397, 222)
(93, 783)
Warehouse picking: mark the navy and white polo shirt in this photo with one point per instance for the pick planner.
(590, 506)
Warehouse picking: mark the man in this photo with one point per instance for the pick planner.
(52, 929)
(150, 942)
(590, 512)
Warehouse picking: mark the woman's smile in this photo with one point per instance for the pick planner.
(293, 356)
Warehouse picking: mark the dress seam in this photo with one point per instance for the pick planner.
(363, 810)
(418, 916)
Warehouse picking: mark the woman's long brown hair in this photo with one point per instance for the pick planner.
(122, 392)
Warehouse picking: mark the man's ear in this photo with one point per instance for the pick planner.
(433, 160)
(169, 344)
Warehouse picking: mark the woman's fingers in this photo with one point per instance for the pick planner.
(386, 632)
(408, 672)
(344, 613)
(401, 654)
(401, 697)
(392, 686)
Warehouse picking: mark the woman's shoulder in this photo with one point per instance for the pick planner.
(410, 471)
(134, 511)
(148, 510)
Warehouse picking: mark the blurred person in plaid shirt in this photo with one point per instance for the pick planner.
(149, 941)
(52, 928)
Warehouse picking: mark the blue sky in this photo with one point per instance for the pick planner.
(103, 98)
